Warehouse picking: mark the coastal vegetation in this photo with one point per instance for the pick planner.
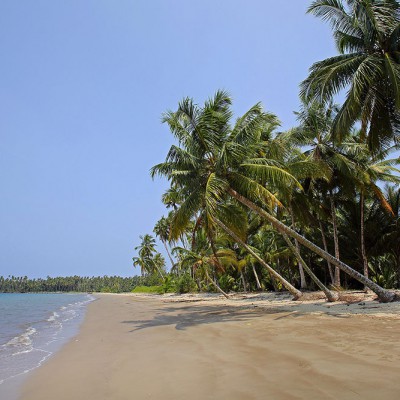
(251, 207)
(105, 284)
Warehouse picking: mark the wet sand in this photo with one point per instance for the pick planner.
(137, 347)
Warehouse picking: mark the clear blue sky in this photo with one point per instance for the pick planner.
(83, 84)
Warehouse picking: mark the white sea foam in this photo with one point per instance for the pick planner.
(43, 336)
(53, 317)
(24, 339)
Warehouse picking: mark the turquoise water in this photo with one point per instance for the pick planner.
(33, 327)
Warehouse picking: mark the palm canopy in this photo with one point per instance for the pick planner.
(214, 158)
(314, 135)
(367, 35)
(148, 258)
(213, 155)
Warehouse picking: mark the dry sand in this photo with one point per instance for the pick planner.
(204, 347)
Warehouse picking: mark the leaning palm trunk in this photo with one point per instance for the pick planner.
(296, 293)
(215, 285)
(169, 255)
(159, 272)
(383, 294)
(321, 228)
(362, 234)
(335, 239)
(303, 284)
(256, 276)
(329, 295)
(243, 281)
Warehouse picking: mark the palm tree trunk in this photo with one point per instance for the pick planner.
(329, 295)
(214, 250)
(321, 228)
(169, 255)
(303, 283)
(256, 276)
(335, 239)
(362, 234)
(383, 294)
(196, 227)
(215, 285)
(296, 293)
(160, 273)
(243, 281)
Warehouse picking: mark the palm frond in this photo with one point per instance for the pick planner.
(253, 190)
(262, 171)
(334, 12)
(181, 217)
(235, 218)
(214, 193)
(329, 76)
(311, 169)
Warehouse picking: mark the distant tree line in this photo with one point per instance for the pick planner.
(105, 284)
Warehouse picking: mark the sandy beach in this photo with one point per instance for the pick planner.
(205, 347)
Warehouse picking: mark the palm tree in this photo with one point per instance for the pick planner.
(148, 258)
(314, 134)
(172, 197)
(372, 168)
(195, 167)
(296, 293)
(213, 159)
(161, 230)
(367, 34)
(202, 259)
(303, 168)
(387, 227)
(392, 236)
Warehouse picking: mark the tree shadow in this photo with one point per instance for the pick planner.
(185, 316)
(189, 316)
(296, 314)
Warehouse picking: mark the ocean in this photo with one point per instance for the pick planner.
(33, 326)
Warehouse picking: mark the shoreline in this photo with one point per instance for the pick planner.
(41, 329)
(172, 346)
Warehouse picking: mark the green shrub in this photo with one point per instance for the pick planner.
(227, 283)
(185, 284)
(148, 289)
(169, 285)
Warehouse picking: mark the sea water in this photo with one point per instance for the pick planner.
(33, 327)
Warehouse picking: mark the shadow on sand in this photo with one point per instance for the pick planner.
(183, 317)
(189, 316)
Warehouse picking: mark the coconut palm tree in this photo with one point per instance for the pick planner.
(214, 159)
(148, 258)
(371, 169)
(202, 134)
(172, 197)
(161, 230)
(202, 259)
(392, 234)
(302, 168)
(386, 231)
(314, 134)
(367, 35)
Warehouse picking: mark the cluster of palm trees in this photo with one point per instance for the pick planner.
(252, 206)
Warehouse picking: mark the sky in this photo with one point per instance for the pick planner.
(83, 84)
